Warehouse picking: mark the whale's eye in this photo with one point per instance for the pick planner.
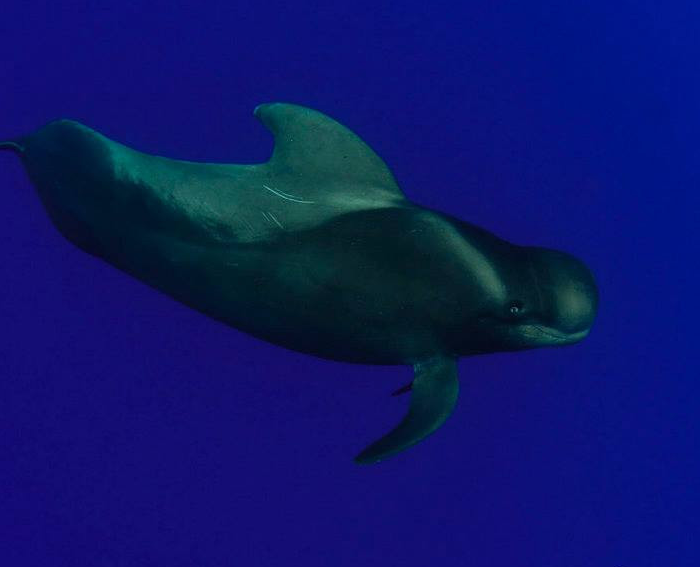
(515, 307)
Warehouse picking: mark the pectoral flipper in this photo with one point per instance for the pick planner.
(434, 394)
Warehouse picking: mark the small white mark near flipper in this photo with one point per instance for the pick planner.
(286, 196)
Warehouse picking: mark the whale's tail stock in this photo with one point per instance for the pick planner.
(12, 146)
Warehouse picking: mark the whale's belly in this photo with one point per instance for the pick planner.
(334, 303)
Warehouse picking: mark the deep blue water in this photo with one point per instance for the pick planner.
(134, 431)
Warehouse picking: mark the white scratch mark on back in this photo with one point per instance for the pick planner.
(274, 218)
(286, 196)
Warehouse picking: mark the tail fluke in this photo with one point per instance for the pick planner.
(12, 146)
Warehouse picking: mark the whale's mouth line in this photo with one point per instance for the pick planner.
(558, 335)
(538, 334)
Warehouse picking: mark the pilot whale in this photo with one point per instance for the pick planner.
(316, 250)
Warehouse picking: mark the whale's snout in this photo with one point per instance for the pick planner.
(568, 292)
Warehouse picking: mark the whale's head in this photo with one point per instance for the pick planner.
(548, 298)
(521, 297)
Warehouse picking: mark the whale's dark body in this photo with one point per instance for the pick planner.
(316, 250)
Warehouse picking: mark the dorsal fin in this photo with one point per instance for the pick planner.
(311, 145)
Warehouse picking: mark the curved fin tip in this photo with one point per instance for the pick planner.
(12, 146)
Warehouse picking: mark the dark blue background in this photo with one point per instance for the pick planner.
(134, 431)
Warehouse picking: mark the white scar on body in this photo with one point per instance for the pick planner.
(269, 217)
(286, 196)
(274, 218)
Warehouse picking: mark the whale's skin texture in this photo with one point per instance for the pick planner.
(316, 250)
